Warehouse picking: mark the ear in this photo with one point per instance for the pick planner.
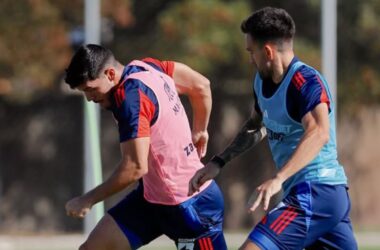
(110, 73)
(269, 51)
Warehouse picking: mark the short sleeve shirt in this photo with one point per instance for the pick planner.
(134, 105)
(304, 93)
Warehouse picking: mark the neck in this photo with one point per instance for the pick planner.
(281, 65)
(119, 68)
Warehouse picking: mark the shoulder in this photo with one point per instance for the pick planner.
(307, 83)
(130, 93)
(306, 90)
(132, 97)
(128, 87)
(303, 76)
(166, 67)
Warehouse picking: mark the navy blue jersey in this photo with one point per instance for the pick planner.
(304, 93)
(134, 104)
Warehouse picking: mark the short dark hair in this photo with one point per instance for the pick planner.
(87, 63)
(269, 24)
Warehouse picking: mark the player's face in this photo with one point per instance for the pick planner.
(98, 90)
(258, 57)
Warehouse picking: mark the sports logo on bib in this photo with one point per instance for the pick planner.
(185, 244)
(265, 114)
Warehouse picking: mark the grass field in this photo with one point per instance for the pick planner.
(367, 241)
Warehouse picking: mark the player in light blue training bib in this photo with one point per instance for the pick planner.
(294, 108)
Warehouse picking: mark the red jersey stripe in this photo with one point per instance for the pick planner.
(293, 216)
(166, 66)
(324, 96)
(284, 213)
(264, 220)
(283, 221)
(210, 243)
(298, 80)
(146, 114)
(283, 217)
(202, 244)
(119, 94)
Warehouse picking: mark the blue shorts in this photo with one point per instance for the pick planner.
(194, 224)
(312, 216)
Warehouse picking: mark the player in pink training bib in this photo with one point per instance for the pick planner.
(159, 150)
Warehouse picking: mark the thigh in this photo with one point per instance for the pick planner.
(308, 213)
(106, 235)
(197, 223)
(136, 218)
(285, 226)
(330, 225)
(282, 228)
(340, 237)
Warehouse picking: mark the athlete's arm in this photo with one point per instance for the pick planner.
(197, 88)
(249, 135)
(316, 125)
(131, 168)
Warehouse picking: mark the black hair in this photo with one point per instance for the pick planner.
(269, 24)
(87, 64)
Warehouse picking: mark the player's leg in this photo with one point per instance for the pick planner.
(197, 224)
(282, 228)
(249, 245)
(135, 219)
(106, 235)
(341, 235)
(285, 226)
(208, 207)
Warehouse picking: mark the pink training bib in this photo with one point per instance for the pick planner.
(173, 158)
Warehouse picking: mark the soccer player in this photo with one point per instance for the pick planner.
(295, 110)
(157, 146)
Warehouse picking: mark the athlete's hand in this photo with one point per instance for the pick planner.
(208, 172)
(78, 207)
(264, 193)
(200, 140)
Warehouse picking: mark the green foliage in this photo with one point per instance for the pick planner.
(358, 54)
(204, 34)
(33, 50)
(35, 46)
(308, 52)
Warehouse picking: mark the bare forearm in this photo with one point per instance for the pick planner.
(201, 103)
(197, 88)
(120, 179)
